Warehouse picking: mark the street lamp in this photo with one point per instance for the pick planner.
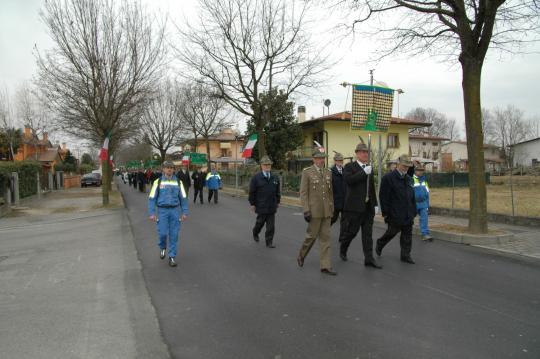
(399, 92)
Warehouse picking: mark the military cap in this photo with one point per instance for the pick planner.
(338, 156)
(167, 164)
(405, 160)
(361, 147)
(318, 153)
(265, 160)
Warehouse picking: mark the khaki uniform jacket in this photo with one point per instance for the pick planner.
(316, 192)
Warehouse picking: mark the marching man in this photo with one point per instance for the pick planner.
(169, 197)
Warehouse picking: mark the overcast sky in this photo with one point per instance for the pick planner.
(426, 83)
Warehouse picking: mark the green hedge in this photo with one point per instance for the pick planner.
(27, 176)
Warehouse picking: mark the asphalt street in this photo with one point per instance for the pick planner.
(233, 298)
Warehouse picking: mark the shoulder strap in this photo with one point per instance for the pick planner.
(157, 189)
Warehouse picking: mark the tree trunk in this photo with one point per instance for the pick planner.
(104, 179)
(208, 153)
(472, 72)
(162, 154)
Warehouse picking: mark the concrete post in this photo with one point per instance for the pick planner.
(51, 182)
(38, 185)
(60, 179)
(15, 187)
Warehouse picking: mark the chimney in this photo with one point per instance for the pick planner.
(64, 146)
(45, 136)
(301, 113)
(27, 132)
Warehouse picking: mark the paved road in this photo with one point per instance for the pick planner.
(233, 298)
(71, 287)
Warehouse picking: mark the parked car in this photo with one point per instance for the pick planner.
(91, 179)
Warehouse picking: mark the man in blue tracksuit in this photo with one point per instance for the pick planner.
(213, 182)
(169, 197)
(421, 195)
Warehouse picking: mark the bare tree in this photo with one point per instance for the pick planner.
(7, 124)
(102, 69)
(533, 128)
(510, 128)
(488, 126)
(246, 47)
(455, 29)
(204, 112)
(161, 119)
(441, 126)
(31, 112)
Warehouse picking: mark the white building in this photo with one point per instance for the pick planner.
(454, 156)
(527, 153)
(427, 149)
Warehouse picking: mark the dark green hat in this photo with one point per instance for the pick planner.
(167, 164)
(318, 153)
(338, 156)
(361, 147)
(405, 160)
(265, 160)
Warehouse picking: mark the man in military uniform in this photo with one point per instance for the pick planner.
(264, 197)
(359, 207)
(318, 206)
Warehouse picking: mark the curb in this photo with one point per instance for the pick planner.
(462, 238)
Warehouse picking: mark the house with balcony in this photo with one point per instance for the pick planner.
(225, 148)
(334, 133)
(427, 149)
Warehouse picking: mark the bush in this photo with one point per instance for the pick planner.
(85, 168)
(65, 167)
(27, 171)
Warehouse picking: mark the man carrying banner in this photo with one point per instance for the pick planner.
(168, 196)
(318, 205)
(264, 197)
(359, 206)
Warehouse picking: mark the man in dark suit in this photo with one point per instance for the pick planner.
(198, 183)
(264, 197)
(338, 186)
(183, 176)
(398, 207)
(359, 206)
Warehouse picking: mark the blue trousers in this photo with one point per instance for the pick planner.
(423, 213)
(168, 226)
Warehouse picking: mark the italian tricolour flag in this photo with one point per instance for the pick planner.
(104, 152)
(249, 146)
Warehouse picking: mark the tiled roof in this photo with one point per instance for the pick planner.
(346, 116)
(428, 137)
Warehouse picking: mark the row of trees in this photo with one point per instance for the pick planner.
(102, 73)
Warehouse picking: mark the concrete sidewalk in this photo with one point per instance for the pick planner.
(517, 240)
(72, 285)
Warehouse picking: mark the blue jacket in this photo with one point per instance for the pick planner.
(171, 194)
(213, 180)
(421, 192)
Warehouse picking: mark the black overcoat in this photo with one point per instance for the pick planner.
(338, 188)
(355, 194)
(184, 177)
(397, 198)
(264, 193)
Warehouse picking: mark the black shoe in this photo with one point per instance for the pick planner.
(270, 245)
(407, 259)
(378, 250)
(172, 262)
(328, 271)
(300, 261)
(372, 263)
(162, 253)
(343, 257)
(256, 238)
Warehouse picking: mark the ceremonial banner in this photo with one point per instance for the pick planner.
(371, 108)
